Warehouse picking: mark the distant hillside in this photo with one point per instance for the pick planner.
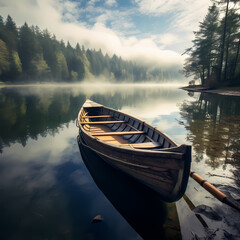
(28, 54)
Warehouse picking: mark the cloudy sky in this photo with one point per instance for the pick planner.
(154, 31)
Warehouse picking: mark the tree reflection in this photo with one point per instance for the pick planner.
(24, 116)
(27, 112)
(213, 124)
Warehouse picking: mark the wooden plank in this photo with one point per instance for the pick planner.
(100, 116)
(101, 122)
(110, 139)
(117, 133)
(136, 171)
(146, 145)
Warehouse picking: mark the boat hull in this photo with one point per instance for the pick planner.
(165, 173)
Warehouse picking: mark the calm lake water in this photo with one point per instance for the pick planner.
(48, 190)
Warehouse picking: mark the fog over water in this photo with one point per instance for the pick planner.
(41, 165)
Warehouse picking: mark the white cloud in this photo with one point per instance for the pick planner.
(184, 15)
(165, 39)
(52, 15)
(157, 6)
(110, 2)
(92, 2)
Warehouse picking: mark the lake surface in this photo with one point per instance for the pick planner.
(48, 190)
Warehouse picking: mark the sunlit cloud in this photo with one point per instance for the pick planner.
(183, 16)
(186, 14)
(166, 39)
(110, 2)
(100, 24)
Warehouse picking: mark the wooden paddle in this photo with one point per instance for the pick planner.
(215, 192)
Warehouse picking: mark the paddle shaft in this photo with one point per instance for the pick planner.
(214, 191)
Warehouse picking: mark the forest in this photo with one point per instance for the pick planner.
(214, 55)
(29, 54)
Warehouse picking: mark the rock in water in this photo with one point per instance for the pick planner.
(208, 212)
(98, 218)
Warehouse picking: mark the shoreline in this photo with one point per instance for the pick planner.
(225, 92)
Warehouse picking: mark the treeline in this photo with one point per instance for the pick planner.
(214, 56)
(30, 54)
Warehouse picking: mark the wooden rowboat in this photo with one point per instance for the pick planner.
(136, 148)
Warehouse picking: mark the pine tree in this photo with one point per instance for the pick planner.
(11, 33)
(27, 48)
(203, 54)
(214, 56)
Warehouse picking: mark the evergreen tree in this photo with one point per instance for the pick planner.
(203, 54)
(27, 48)
(214, 56)
(232, 39)
(11, 33)
(2, 30)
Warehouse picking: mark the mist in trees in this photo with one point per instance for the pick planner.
(214, 56)
(28, 54)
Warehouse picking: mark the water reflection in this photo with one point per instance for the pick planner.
(213, 124)
(46, 192)
(141, 207)
(28, 112)
(213, 129)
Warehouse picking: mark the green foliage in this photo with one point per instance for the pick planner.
(40, 67)
(17, 65)
(11, 33)
(62, 69)
(27, 48)
(29, 53)
(4, 58)
(213, 58)
(86, 64)
(74, 75)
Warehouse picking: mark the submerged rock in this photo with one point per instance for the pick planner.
(97, 218)
(208, 212)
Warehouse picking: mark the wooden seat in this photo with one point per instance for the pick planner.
(117, 133)
(101, 122)
(100, 116)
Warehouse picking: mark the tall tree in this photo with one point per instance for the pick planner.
(27, 48)
(11, 32)
(203, 54)
(214, 52)
(232, 34)
(223, 41)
